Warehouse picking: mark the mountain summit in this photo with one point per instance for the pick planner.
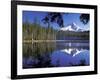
(72, 27)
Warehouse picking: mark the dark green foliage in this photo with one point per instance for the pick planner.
(84, 18)
(54, 17)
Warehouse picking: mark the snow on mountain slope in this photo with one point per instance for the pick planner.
(72, 27)
(72, 52)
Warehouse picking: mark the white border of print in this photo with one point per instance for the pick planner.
(22, 71)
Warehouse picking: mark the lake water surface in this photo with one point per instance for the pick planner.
(56, 54)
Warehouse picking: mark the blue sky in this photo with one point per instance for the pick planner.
(68, 19)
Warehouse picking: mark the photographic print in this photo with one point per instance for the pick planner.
(53, 40)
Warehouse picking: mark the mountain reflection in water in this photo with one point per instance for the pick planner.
(55, 54)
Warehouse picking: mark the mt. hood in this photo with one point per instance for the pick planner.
(72, 27)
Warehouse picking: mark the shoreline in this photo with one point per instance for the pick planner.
(35, 41)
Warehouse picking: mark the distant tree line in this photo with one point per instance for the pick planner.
(65, 35)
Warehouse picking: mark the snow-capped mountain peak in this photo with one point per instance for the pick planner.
(72, 27)
(73, 52)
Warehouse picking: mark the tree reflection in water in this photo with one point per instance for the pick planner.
(36, 55)
(41, 54)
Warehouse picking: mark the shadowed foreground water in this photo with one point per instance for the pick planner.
(55, 54)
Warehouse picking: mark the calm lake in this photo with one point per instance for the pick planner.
(56, 54)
